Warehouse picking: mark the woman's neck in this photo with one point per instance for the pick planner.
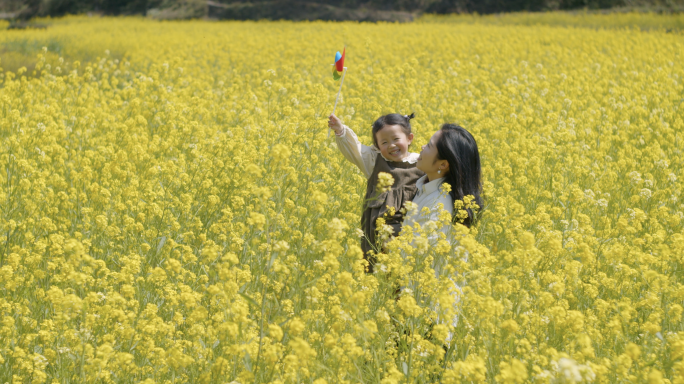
(433, 176)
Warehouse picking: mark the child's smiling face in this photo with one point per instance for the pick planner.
(393, 142)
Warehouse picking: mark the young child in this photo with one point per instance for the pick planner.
(391, 138)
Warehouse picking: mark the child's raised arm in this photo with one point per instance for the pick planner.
(360, 155)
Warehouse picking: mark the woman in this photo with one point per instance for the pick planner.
(450, 157)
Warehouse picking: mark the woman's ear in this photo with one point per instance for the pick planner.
(444, 166)
(410, 138)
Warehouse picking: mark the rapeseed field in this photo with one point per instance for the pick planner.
(173, 210)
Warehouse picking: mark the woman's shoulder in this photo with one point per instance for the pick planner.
(444, 198)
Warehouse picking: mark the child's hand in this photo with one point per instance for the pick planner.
(335, 123)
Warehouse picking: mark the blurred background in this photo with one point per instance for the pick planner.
(361, 10)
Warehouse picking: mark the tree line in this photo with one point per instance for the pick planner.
(301, 10)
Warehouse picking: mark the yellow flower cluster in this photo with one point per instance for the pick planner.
(172, 210)
(385, 182)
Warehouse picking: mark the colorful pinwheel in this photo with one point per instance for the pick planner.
(338, 67)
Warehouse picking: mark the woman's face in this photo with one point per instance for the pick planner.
(393, 142)
(427, 161)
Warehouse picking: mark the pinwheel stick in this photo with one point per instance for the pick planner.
(339, 90)
(338, 94)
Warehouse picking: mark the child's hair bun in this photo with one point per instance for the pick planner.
(411, 116)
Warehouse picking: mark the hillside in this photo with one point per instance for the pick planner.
(360, 10)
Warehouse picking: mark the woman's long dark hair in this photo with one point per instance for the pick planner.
(458, 147)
